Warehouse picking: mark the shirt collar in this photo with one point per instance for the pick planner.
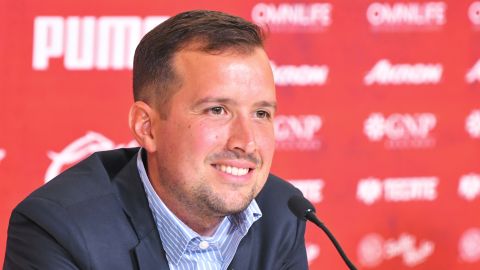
(175, 235)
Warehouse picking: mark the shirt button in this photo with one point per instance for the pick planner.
(203, 245)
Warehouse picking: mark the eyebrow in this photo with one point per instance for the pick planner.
(263, 103)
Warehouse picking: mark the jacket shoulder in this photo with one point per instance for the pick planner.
(88, 179)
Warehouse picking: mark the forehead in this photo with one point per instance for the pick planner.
(226, 73)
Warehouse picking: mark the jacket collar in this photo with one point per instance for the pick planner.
(149, 251)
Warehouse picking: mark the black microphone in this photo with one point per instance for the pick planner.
(304, 210)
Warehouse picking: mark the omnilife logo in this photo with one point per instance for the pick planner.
(386, 73)
(286, 17)
(89, 42)
(401, 131)
(406, 15)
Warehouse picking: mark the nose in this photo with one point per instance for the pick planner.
(242, 136)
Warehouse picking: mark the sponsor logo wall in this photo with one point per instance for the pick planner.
(378, 122)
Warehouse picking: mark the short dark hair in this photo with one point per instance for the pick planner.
(212, 31)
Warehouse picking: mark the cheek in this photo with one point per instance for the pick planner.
(205, 138)
(266, 142)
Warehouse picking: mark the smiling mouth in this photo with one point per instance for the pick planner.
(232, 170)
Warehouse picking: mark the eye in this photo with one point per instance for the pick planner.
(262, 114)
(217, 110)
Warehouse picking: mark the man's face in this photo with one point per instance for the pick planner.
(216, 146)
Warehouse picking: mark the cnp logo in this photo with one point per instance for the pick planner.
(80, 149)
(373, 249)
(401, 130)
(293, 16)
(472, 124)
(297, 132)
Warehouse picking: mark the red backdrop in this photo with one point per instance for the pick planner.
(379, 120)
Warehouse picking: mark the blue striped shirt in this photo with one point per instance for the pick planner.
(186, 249)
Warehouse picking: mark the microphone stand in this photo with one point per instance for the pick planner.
(310, 215)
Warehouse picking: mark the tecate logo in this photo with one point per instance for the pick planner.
(80, 149)
(469, 186)
(297, 132)
(469, 245)
(385, 73)
(474, 13)
(473, 75)
(401, 130)
(303, 75)
(472, 124)
(400, 189)
(293, 16)
(86, 43)
(373, 249)
(313, 251)
(3, 154)
(312, 189)
(406, 15)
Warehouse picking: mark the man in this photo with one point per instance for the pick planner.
(198, 194)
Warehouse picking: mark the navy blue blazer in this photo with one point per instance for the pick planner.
(95, 215)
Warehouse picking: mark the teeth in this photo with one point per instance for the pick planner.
(232, 170)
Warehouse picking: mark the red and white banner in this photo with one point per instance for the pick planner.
(378, 124)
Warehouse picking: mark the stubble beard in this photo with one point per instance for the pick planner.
(212, 203)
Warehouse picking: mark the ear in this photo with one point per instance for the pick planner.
(141, 119)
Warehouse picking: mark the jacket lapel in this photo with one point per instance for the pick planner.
(149, 251)
(244, 252)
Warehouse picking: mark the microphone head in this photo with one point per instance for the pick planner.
(300, 206)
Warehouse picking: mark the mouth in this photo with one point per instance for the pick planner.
(232, 170)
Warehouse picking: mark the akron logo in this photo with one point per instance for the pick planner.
(303, 75)
(80, 149)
